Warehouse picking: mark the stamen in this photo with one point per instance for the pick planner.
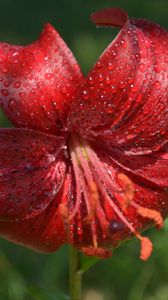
(146, 247)
(146, 244)
(79, 159)
(151, 214)
(91, 212)
(94, 195)
(99, 252)
(142, 211)
(93, 183)
(99, 168)
(78, 186)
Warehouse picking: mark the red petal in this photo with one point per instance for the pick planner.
(32, 170)
(124, 97)
(150, 168)
(43, 233)
(38, 81)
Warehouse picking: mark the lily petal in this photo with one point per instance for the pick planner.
(44, 233)
(125, 90)
(151, 168)
(32, 170)
(38, 82)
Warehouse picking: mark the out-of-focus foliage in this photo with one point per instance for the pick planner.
(24, 274)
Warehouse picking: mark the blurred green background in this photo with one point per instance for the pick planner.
(24, 274)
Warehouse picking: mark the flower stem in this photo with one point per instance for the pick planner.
(75, 275)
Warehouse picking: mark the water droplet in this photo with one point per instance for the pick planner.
(63, 90)
(123, 44)
(91, 80)
(107, 80)
(157, 85)
(5, 92)
(17, 84)
(113, 89)
(22, 95)
(142, 67)
(85, 95)
(101, 78)
(12, 104)
(110, 66)
(134, 88)
(157, 68)
(48, 76)
(121, 85)
(98, 65)
(6, 83)
(109, 109)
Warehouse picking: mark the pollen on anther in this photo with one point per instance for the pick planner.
(146, 248)
(151, 214)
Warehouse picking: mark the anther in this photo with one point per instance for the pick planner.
(146, 247)
(151, 214)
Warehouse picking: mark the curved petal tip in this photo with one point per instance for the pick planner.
(110, 17)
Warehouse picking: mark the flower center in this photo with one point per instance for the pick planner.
(97, 188)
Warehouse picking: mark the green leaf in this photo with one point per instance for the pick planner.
(87, 262)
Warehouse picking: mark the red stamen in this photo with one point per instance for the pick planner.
(93, 182)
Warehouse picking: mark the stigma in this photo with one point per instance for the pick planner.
(100, 204)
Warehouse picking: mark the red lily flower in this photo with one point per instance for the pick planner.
(88, 163)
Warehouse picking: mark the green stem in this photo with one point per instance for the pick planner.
(75, 275)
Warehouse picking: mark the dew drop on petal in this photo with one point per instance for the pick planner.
(48, 76)
(5, 92)
(91, 80)
(113, 89)
(110, 66)
(85, 95)
(12, 104)
(6, 83)
(157, 85)
(101, 78)
(107, 80)
(17, 84)
(134, 88)
(142, 67)
(98, 65)
(63, 90)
